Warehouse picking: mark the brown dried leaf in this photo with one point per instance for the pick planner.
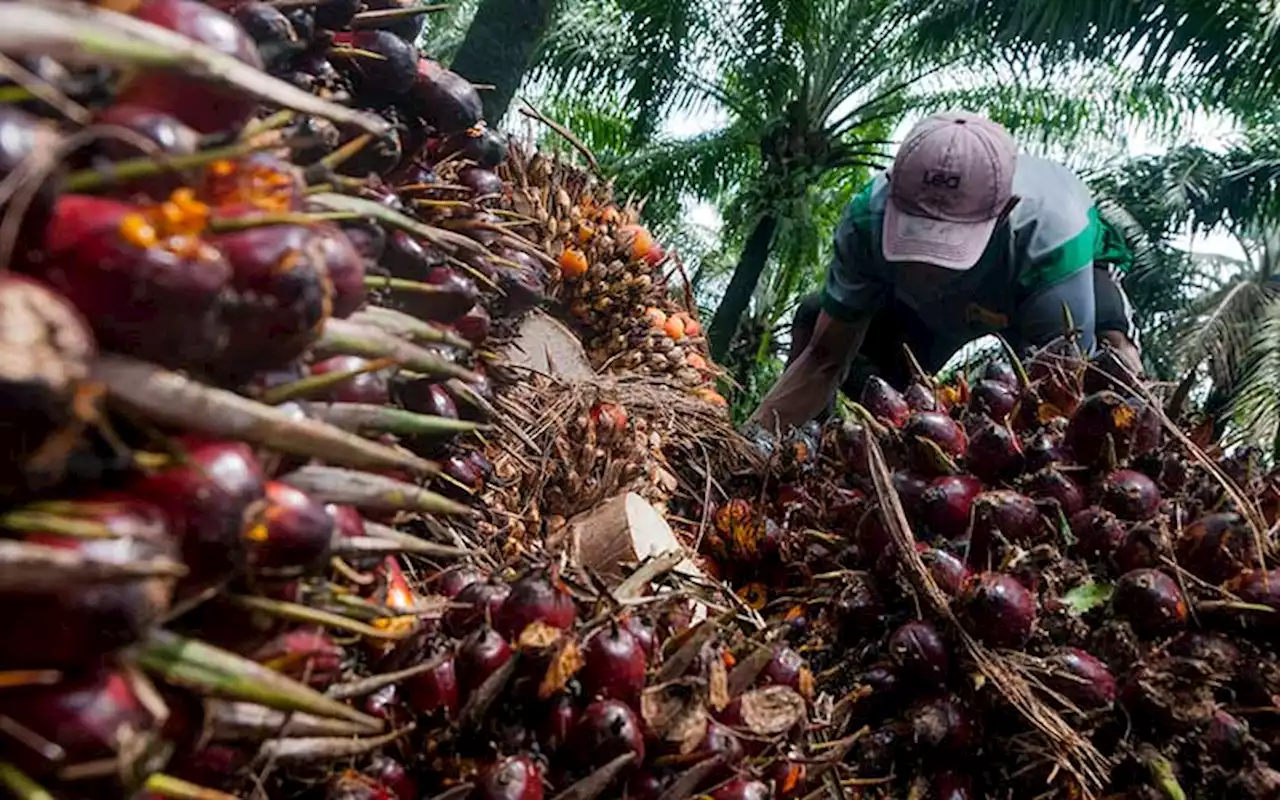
(806, 683)
(676, 714)
(539, 636)
(718, 684)
(564, 666)
(772, 711)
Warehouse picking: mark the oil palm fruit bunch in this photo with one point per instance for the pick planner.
(1061, 537)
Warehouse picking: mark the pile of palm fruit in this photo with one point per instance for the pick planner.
(280, 520)
(1034, 585)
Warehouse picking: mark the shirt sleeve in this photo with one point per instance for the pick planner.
(852, 291)
(1040, 319)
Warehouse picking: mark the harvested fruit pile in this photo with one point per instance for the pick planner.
(1036, 585)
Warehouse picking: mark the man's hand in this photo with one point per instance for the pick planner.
(762, 440)
(811, 380)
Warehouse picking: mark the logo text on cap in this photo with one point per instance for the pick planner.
(941, 178)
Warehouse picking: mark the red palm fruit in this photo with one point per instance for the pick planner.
(788, 668)
(258, 182)
(605, 730)
(885, 402)
(742, 789)
(45, 350)
(872, 538)
(144, 277)
(425, 397)
(1151, 601)
(949, 572)
(474, 325)
(368, 387)
(1143, 547)
(789, 778)
(919, 652)
(165, 134)
(721, 742)
(480, 655)
(435, 690)
(645, 635)
(921, 398)
(283, 295)
(512, 778)
(557, 723)
(994, 452)
(910, 488)
(443, 99)
(999, 610)
(1081, 678)
(1052, 484)
(287, 533)
(535, 597)
(613, 664)
(1043, 450)
(1003, 515)
(205, 106)
(408, 258)
(462, 470)
(1217, 547)
(344, 265)
(995, 400)
(1098, 533)
(22, 136)
(939, 429)
(476, 602)
(347, 520)
(942, 723)
(1130, 495)
(303, 654)
(946, 506)
(78, 622)
(1259, 588)
(206, 498)
(90, 717)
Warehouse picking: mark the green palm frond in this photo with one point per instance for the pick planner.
(1255, 406)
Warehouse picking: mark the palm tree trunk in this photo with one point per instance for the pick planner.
(499, 47)
(755, 254)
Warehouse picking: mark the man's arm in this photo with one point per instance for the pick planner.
(1040, 319)
(811, 380)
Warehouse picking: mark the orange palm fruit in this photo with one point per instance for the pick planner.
(573, 263)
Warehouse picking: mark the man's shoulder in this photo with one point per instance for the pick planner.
(867, 206)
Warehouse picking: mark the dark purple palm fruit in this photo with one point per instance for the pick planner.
(407, 258)
(369, 240)
(538, 596)
(849, 444)
(451, 297)
(345, 266)
(336, 14)
(1000, 372)
(23, 135)
(951, 786)
(920, 653)
(476, 602)
(512, 778)
(367, 387)
(443, 99)
(1130, 495)
(885, 402)
(613, 665)
(1052, 484)
(1081, 678)
(272, 31)
(524, 286)
(1151, 601)
(921, 398)
(994, 452)
(452, 581)
(1227, 738)
(1104, 425)
(382, 80)
(946, 506)
(482, 182)
(605, 730)
(283, 296)
(942, 723)
(1003, 515)
(1098, 532)
(932, 438)
(286, 533)
(424, 396)
(949, 572)
(474, 325)
(393, 775)
(858, 609)
(1262, 589)
(205, 499)
(1043, 450)
(999, 610)
(910, 488)
(995, 400)
(872, 539)
(742, 789)
(486, 147)
(408, 27)
(479, 656)
(1144, 546)
(1217, 547)
(166, 135)
(434, 691)
(556, 724)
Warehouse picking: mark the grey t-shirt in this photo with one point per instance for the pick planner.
(1037, 260)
